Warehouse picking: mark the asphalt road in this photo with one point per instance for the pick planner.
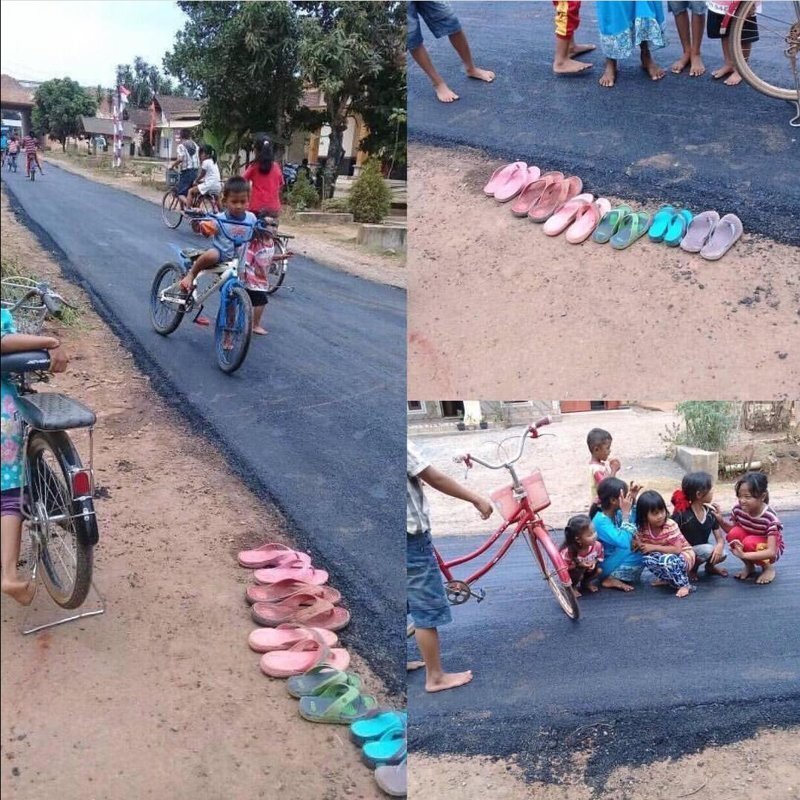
(641, 676)
(313, 421)
(682, 140)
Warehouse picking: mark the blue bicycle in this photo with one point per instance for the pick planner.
(169, 304)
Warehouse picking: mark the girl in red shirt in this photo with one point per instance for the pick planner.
(266, 180)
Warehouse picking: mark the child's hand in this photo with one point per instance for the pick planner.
(484, 507)
(625, 503)
(716, 553)
(615, 465)
(635, 488)
(736, 546)
(58, 359)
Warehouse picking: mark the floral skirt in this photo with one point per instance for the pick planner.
(626, 25)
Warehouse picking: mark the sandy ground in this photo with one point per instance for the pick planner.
(766, 767)
(332, 245)
(160, 697)
(563, 460)
(499, 309)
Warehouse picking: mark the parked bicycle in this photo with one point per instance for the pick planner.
(11, 162)
(56, 498)
(519, 504)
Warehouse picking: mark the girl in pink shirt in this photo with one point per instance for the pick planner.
(582, 553)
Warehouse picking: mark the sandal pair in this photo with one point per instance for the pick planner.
(381, 735)
(622, 226)
(711, 235)
(670, 225)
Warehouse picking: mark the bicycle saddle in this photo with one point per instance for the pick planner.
(50, 411)
(26, 361)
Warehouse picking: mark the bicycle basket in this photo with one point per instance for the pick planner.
(537, 496)
(173, 177)
(29, 317)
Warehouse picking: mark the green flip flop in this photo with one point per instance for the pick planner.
(661, 223)
(632, 227)
(337, 705)
(677, 227)
(610, 223)
(320, 678)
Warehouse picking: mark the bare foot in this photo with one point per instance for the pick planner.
(722, 71)
(570, 67)
(659, 582)
(580, 49)
(576, 592)
(202, 320)
(445, 93)
(590, 587)
(614, 583)
(767, 575)
(681, 64)
(651, 68)
(693, 575)
(734, 79)
(481, 74)
(21, 591)
(698, 67)
(714, 570)
(747, 572)
(227, 342)
(259, 330)
(684, 591)
(609, 76)
(412, 665)
(449, 680)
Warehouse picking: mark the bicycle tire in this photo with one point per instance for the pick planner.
(277, 270)
(169, 319)
(234, 300)
(207, 205)
(32, 176)
(742, 65)
(551, 564)
(51, 458)
(169, 215)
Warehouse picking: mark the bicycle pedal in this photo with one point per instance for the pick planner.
(478, 594)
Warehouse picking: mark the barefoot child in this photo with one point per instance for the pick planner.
(696, 518)
(441, 21)
(690, 33)
(582, 553)
(568, 18)
(755, 534)
(600, 467)
(425, 595)
(716, 16)
(666, 552)
(615, 524)
(11, 446)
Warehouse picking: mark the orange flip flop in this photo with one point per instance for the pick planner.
(554, 196)
(532, 192)
(302, 609)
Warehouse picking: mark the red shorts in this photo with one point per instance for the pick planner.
(751, 543)
(567, 18)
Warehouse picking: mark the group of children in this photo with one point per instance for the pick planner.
(624, 26)
(628, 530)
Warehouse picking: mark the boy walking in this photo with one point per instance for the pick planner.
(568, 18)
(425, 595)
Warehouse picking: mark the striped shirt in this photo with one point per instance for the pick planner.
(30, 145)
(764, 524)
(417, 511)
(671, 536)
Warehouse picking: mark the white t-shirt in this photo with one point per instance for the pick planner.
(211, 176)
(189, 160)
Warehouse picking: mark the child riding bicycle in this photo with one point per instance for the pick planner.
(30, 144)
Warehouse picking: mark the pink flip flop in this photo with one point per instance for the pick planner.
(514, 185)
(554, 196)
(501, 175)
(566, 215)
(298, 570)
(270, 555)
(586, 220)
(265, 640)
(302, 609)
(303, 656)
(532, 192)
(282, 589)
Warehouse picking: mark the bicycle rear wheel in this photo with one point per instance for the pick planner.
(234, 328)
(164, 314)
(553, 570)
(65, 528)
(277, 269)
(777, 36)
(171, 212)
(207, 205)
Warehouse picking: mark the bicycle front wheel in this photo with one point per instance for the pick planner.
(277, 269)
(234, 328)
(165, 312)
(171, 212)
(767, 67)
(553, 569)
(65, 528)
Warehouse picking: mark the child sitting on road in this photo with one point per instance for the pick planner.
(599, 443)
(690, 33)
(755, 534)
(582, 553)
(696, 518)
(11, 446)
(716, 16)
(208, 180)
(615, 524)
(666, 552)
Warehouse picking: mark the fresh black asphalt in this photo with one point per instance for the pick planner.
(314, 420)
(690, 141)
(641, 676)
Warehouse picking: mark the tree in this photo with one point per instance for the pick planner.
(344, 47)
(58, 107)
(144, 80)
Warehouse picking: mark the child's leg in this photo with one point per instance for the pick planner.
(587, 584)
(436, 679)
(461, 45)
(207, 260)
(737, 534)
(649, 64)
(443, 91)
(727, 68)
(698, 28)
(609, 76)
(734, 79)
(685, 30)
(566, 23)
(669, 569)
(10, 537)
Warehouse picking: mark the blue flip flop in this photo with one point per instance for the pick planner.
(677, 227)
(390, 749)
(661, 223)
(376, 725)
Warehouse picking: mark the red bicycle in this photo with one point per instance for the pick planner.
(519, 504)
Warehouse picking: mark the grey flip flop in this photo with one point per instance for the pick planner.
(725, 234)
(700, 229)
(393, 779)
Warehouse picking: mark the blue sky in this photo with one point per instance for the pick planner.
(84, 39)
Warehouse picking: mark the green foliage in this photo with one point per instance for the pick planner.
(59, 105)
(144, 80)
(708, 423)
(337, 205)
(225, 144)
(303, 195)
(370, 198)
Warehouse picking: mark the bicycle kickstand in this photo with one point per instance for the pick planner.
(795, 122)
(197, 315)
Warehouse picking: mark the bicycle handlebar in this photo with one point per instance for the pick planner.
(52, 300)
(25, 361)
(237, 241)
(532, 431)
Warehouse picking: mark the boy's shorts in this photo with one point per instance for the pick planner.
(439, 17)
(698, 9)
(187, 178)
(425, 596)
(10, 503)
(714, 22)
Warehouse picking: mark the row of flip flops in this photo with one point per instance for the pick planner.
(299, 615)
(559, 202)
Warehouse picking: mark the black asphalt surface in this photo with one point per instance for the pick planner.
(641, 676)
(691, 141)
(314, 420)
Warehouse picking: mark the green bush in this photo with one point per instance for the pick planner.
(370, 197)
(709, 424)
(337, 205)
(303, 195)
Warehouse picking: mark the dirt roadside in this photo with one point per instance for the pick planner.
(498, 309)
(332, 245)
(159, 697)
